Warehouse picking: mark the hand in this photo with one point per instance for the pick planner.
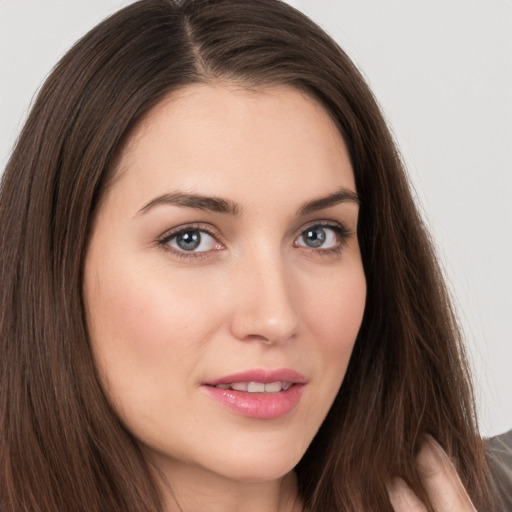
(440, 480)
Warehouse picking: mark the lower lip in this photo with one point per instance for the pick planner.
(265, 406)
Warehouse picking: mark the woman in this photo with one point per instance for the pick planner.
(216, 289)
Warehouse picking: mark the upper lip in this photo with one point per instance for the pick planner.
(261, 375)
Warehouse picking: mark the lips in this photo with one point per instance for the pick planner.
(261, 375)
(262, 394)
(257, 387)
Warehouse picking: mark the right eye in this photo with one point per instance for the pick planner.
(190, 241)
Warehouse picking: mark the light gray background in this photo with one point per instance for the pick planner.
(442, 72)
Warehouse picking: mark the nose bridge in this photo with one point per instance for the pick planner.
(264, 307)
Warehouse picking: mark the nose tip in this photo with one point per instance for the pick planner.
(264, 309)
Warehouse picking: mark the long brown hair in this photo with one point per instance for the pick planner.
(61, 445)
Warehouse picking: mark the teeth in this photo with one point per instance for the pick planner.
(257, 387)
(240, 386)
(273, 387)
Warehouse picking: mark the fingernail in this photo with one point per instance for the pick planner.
(395, 484)
(402, 497)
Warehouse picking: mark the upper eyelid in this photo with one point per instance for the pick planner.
(323, 223)
(213, 231)
(163, 240)
(194, 226)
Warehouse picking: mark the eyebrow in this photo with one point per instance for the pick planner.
(343, 195)
(212, 204)
(220, 205)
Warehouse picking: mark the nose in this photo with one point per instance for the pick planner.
(263, 307)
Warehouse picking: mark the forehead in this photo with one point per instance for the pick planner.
(229, 140)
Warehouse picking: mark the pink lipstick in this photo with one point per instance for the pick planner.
(259, 393)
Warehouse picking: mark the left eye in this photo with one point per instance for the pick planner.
(318, 237)
(192, 240)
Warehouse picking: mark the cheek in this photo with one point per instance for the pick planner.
(333, 314)
(333, 310)
(147, 340)
(142, 328)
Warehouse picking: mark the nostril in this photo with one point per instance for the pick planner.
(262, 339)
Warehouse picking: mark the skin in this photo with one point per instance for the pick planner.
(440, 480)
(253, 294)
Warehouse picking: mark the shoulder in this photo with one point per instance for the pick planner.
(499, 457)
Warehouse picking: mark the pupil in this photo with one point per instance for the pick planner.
(315, 237)
(189, 241)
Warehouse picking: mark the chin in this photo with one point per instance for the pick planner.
(259, 467)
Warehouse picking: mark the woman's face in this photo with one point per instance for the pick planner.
(223, 281)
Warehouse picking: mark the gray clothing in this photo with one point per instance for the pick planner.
(499, 457)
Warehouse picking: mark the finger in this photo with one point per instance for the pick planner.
(403, 498)
(441, 480)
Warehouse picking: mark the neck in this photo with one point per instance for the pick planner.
(194, 489)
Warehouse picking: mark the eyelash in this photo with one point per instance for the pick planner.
(341, 232)
(167, 237)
